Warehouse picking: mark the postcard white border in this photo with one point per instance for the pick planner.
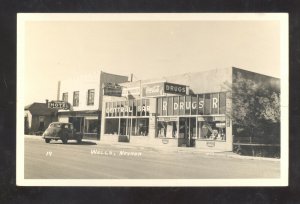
(22, 18)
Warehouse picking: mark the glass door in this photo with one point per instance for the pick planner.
(187, 131)
(192, 131)
(124, 129)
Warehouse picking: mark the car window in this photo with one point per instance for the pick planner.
(56, 125)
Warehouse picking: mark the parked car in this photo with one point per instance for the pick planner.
(61, 131)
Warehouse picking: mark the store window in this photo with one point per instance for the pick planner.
(166, 129)
(111, 126)
(147, 105)
(207, 104)
(130, 107)
(75, 98)
(214, 103)
(188, 104)
(159, 106)
(140, 127)
(91, 126)
(176, 105)
(65, 97)
(222, 103)
(90, 97)
(211, 130)
(201, 104)
(143, 126)
(194, 105)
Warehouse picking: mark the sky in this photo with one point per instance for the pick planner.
(58, 50)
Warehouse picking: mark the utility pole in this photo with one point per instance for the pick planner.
(58, 90)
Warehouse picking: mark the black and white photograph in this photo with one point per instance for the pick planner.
(154, 99)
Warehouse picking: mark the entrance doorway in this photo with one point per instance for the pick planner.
(187, 128)
(77, 123)
(124, 132)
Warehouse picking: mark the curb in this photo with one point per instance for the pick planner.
(233, 155)
(175, 149)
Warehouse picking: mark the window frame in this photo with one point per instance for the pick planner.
(90, 103)
(75, 104)
(63, 96)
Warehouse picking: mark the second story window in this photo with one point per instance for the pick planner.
(75, 98)
(90, 97)
(65, 97)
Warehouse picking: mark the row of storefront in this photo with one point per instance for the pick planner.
(170, 120)
(187, 110)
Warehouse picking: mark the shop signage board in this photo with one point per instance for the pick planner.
(219, 118)
(167, 119)
(131, 92)
(202, 104)
(175, 88)
(154, 89)
(124, 107)
(112, 89)
(60, 105)
(221, 125)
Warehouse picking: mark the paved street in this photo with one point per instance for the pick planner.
(105, 161)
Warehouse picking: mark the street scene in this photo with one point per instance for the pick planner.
(93, 160)
(152, 98)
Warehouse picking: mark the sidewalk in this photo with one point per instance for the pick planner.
(218, 153)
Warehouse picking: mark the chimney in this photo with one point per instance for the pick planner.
(131, 77)
(58, 90)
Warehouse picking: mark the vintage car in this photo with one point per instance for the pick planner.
(61, 131)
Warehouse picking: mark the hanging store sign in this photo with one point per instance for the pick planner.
(61, 105)
(175, 88)
(155, 89)
(131, 92)
(112, 89)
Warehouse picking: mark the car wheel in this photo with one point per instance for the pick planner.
(47, 140)
(79, 140)
(65, 139)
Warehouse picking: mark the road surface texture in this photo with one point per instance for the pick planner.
(107, 161)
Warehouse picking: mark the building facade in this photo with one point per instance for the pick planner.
(190, 110)
(85, 95)
(38, 117)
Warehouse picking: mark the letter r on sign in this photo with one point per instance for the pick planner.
(215, 102)
(165, 105)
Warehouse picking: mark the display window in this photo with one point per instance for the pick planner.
(167, 129)
(91, 126)
(212, 130)
(142, 126)
(134, 126)
(111, 126)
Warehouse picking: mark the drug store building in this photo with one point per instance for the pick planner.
(190, 110)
